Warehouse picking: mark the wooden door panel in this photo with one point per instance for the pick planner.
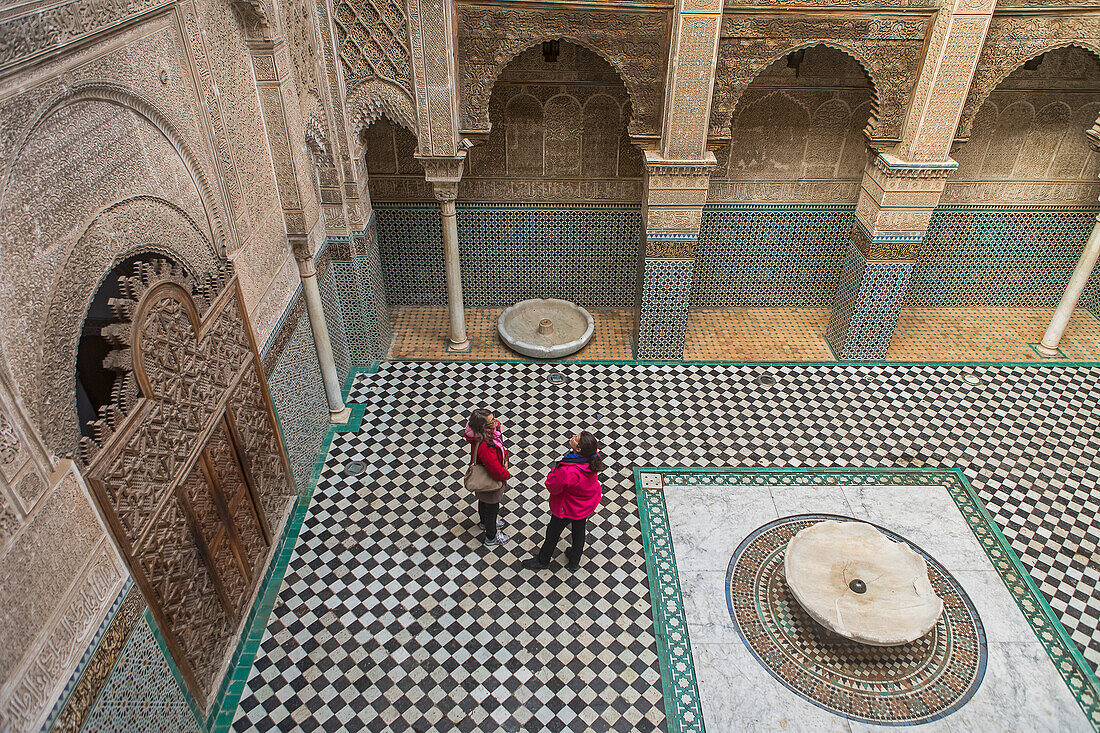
(189, 490)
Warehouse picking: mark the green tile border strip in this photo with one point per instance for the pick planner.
(1067, 659)
(683, 710)
(560, 362)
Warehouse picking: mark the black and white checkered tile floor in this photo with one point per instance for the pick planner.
(393, 617)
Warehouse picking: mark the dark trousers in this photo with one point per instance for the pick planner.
(488, 514)
(553, 532)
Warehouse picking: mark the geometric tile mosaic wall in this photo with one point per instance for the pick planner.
(663, 322)
(866, 307)
(1001, 256)
(141, 694)
(587, 254)
(754, 256)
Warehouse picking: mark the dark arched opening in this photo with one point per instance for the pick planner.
(104, 369)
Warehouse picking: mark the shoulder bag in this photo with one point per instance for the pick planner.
(478, 480)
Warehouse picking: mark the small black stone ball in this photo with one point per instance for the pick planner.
(858, 586)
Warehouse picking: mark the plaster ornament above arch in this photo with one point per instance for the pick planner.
(151, 113)
(888, 48)
(634, 43)
(373, 99)
(373, 46)
(1014, 40)
(142, 224)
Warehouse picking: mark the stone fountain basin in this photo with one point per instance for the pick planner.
(859, 583)
(571, 327)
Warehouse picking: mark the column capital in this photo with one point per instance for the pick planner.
(891, 166)
(896, 201)
(658, 165)
(442, 168)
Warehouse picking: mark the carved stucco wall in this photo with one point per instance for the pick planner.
(559, 135)
(1016, 214)
(222, 60)
(145, 139)
(1027, 143)
(106, 156)
(887, 46)
(797, 134)
(633, 41)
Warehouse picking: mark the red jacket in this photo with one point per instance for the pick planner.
(493, 457)
(574, 491)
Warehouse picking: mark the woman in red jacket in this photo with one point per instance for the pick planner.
(484, 435)
(574, 495)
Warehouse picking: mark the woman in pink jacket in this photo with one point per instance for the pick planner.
(574, 495)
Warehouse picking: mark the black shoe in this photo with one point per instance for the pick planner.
(533, 563)
(573, 565)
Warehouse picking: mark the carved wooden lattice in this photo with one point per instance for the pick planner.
(194, 480)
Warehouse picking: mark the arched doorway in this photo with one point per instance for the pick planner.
(1012, 221)
(183, 457)
(780, 211)
(548, 206)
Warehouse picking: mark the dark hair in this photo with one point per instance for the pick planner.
(589, 448)
(479, 420)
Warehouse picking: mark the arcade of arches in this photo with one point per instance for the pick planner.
(841, 266)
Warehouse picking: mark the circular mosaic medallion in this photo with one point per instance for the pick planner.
(913, 683)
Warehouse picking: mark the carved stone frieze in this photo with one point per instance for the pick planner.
(633, 42)
(42, 30)
(888, 47)
(894, 249)
(676, 248)
(774, 192)
(846, 4)
(1012, 40)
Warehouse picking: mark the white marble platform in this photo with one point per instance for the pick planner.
(1021, 689)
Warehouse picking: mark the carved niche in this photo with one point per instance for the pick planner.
(887, 47)
(186, 467)
(373, 45)
(1014, 39)
(633, 42)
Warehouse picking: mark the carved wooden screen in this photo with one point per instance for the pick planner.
(194, 480)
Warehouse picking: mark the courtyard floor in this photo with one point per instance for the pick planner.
(392, 616)
(774, 334)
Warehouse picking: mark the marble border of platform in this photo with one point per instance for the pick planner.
(685, 706)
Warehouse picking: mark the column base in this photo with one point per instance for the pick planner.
(339, 418)
(1047, 352)
(460, 346)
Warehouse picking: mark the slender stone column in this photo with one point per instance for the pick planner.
(1049, 345)
(456, 311)
(444, 172)
(338, 413)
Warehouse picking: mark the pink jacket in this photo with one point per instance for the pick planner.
(574, 491)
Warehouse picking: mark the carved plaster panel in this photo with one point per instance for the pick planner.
(373, 45)
(1013, 39)
(60, 577)
(888, 47)
(633, 42)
